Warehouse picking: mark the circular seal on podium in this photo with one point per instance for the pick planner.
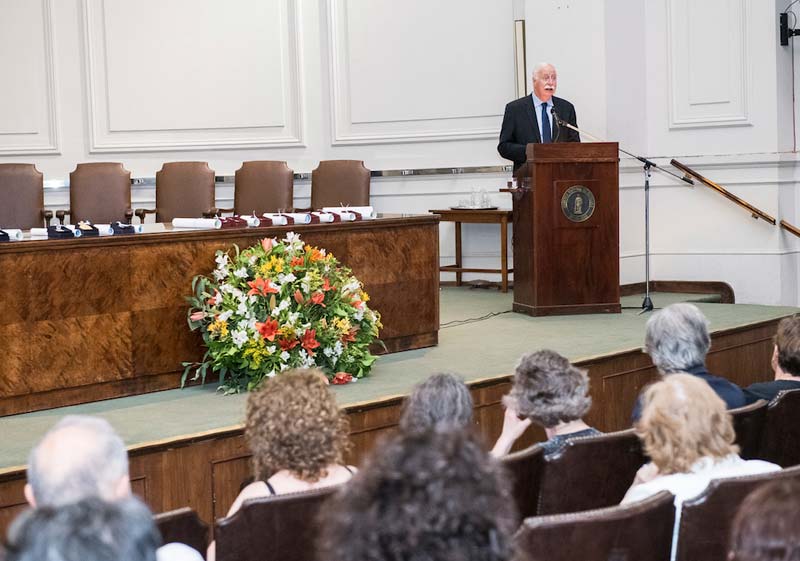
(577, 203)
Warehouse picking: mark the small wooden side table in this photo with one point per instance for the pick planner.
(478, 216)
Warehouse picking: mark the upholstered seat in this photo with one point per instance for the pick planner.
(591, 472)
(706, 520)
(263, 186)
(525, 469)
(22, 197)
(183, 526)
(183, 190)
(277, 528)
(340, 182)
(640, 531)
(99, 192)
(748, 422)
(780, 439)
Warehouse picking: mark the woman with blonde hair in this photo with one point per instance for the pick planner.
(687, 432)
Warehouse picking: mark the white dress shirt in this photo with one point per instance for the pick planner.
(537, 108)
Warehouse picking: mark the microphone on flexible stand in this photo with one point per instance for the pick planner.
(557, 120)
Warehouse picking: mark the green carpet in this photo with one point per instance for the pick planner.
(473, 347)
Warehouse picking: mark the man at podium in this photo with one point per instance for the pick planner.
(530, 118)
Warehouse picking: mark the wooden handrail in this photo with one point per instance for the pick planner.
(755, 212)
(790, 228)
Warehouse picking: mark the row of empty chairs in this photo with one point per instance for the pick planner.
(101, 192)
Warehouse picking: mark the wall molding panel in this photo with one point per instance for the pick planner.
(707, 50)
(268, 115)
(369, 94)
(41, 134)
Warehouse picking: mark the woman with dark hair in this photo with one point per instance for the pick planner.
(767, 526)
(550, 392)
(429, 495)
(441, 402)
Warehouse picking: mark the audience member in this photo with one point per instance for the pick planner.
(689, 436)
(441, 402)
(297, 434)
(785, 362)
(83, 457)
(550, 392)
(90, 529)
(767, 525)
(677, 340)
(432, 496)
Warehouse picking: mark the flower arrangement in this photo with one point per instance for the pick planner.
(277, 305)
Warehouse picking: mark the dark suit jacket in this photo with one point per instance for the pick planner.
(520, 127)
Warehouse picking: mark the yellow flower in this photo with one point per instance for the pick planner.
(364, 296)
(256, 351)
(219, 327)
(342, 325)
(277, 264)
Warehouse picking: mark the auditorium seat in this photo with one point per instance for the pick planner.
(183, 526)
(706, 520)
(640, 531)
(183, 190)
(780, 440)
(276, 528)
(263, 186)
(748, 423)
(99, 192)
(22, 197)
(591, 472)
(340, 182)
(525, 469)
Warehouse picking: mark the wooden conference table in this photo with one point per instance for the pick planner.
(94, 318)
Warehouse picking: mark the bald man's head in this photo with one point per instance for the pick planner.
(80, 457)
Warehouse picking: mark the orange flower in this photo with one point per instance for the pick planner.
(261, 287)
(350, 336)
(297, 262)
(341, 378)
(326, 285)
(317, 298)
(316, 255)
(266, 243)
(309, 341)
(298, 297)
(288, 344)
(268, 329)
(357, 304)
(213, 300)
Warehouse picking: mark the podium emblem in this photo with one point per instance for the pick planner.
(577, 203)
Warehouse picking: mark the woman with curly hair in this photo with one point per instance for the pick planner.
(550, 392)
(422, 495)
(297, 434)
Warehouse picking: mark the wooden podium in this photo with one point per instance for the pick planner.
(566, 230)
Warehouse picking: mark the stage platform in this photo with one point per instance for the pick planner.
(186, 445)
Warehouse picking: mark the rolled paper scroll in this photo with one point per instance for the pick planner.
(324, 216)
(300, 217)
(252, 221)
(14, 234)
(123, 228)
(105, 229)
(197, 223)
(38, 232)
(277, 219)
(344, 215)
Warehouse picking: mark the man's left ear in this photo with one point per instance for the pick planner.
(28, 491)
(123, 488)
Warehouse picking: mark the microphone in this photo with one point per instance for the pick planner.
(557, 121)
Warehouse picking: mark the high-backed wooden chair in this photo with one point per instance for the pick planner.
(22, 197)
(340, 182)
(183, 526)
(748, 422)
(706, 520)
(640, 531)
(263, 186)
(100, 192)
(183, 190)
(780, 439)
(525, 469)
(592, 472)
(277, 528)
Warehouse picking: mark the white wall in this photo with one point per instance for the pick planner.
(422, 84)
